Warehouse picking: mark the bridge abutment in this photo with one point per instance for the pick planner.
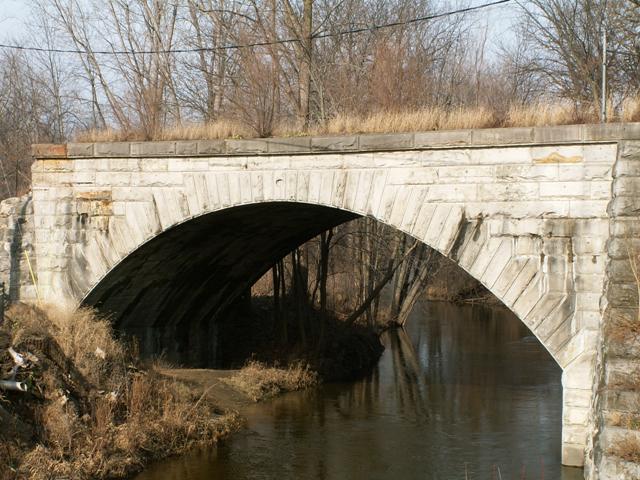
(616, 399)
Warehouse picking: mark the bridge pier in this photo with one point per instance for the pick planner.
(577, 391)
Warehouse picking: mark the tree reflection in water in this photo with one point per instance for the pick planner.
(461, 386)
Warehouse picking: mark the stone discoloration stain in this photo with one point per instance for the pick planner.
(556, 157)
(50, 151)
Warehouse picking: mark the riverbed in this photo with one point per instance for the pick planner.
(466, 392)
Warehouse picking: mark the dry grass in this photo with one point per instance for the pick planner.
(628, 449)
(126, 415)
(420, 120)
(211, 131)
(542, 114)
(87, 341)
(259, 381)
(425, 119)
(216, 130)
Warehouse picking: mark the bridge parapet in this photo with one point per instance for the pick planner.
(558, 135)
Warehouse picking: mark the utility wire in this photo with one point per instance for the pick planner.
(368, 28)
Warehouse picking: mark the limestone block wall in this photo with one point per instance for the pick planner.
(17, 230)
(617, 386)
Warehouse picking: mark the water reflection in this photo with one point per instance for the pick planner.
(465, 393)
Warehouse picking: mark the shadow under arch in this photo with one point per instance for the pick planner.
(171, 290)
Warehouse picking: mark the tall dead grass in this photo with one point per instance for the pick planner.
(424, 119)
(221, 129)
(260, 382)
(630, 111)
(87, 341)
(125, 415)
(544, 114)
(420, 120)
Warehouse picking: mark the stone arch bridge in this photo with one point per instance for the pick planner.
(167, 234)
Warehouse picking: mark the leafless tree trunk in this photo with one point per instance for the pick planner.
(306, 59)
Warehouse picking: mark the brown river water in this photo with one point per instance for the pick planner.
(465, 393)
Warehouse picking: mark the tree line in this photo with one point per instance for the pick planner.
(146, 65)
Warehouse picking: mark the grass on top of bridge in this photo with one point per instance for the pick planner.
(423, 119)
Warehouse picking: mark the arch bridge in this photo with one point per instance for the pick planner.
(166, 234)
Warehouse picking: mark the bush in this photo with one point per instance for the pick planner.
(259, 381)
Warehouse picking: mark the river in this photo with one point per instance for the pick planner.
(465, 393)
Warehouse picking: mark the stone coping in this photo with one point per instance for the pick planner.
(565, 134)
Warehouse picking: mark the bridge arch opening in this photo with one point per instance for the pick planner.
(171, 291)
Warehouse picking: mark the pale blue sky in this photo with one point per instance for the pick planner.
(14, 16)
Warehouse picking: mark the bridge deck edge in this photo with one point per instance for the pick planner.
(473, 138)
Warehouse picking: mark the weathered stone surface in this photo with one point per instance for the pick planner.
(334, 144)
(566, 134)
(209, 147)
(152, 149)
(187, 148)
(386, 141)
(289, 145)
(625, 206)
(80, 149)
(615, 468)
(491, 136)
(243, 147)
(606, 131)
(46, 150)
(122, 149)
(443, 137)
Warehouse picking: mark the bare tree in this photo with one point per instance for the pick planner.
(567, 34)
(27, 115)
(137, 79)
(205, 77)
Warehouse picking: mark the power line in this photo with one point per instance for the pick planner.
(368, 28)
(413, 20)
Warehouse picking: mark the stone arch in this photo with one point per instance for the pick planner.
(514, 268)
(507, 215)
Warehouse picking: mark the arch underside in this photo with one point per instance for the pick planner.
(171, 291)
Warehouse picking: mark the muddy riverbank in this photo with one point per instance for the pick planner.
(82, 404)
(78, 403)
